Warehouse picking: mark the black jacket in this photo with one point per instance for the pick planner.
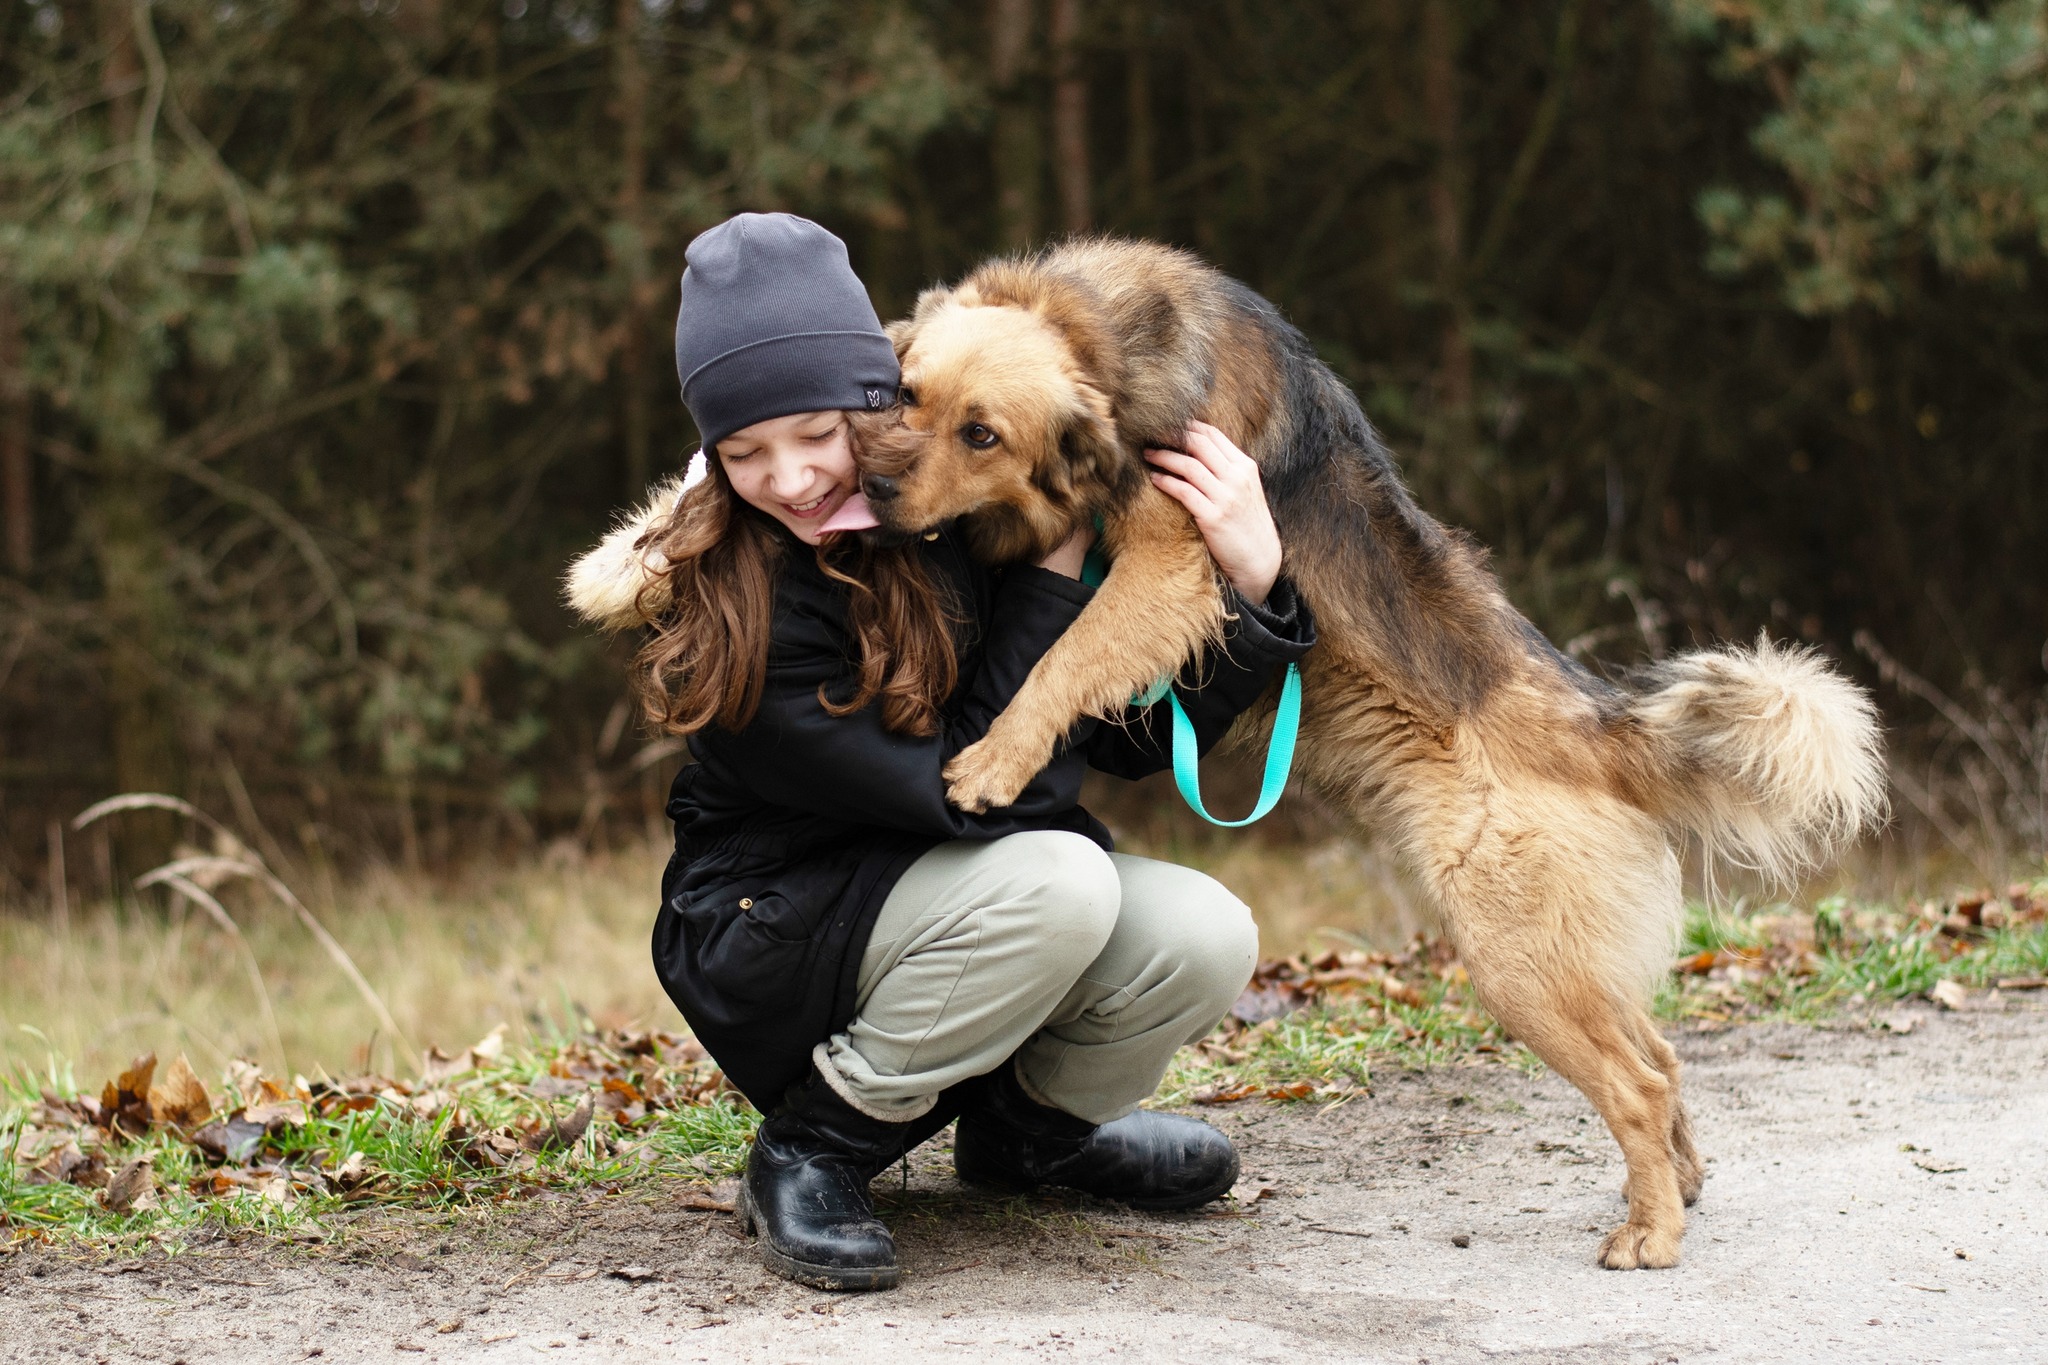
(791, 832)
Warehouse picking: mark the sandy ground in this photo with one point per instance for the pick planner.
(1871, 1197)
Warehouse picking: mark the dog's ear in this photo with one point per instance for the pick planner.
(901, 333)
(1093, 452)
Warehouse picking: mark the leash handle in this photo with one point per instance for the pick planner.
(1187, 762)
(1279, 755)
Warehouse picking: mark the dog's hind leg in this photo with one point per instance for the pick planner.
(1685, 1157)
(1589, 1034)
(1583, 1033)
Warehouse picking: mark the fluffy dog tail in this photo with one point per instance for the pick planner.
(1767, 755)
(605, 585)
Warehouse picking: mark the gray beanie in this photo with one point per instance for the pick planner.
(774, 321)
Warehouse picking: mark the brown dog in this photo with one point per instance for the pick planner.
(1542, 808)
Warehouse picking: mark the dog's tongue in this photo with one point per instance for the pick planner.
(853, 515)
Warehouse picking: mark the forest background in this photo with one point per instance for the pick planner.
(331, 329)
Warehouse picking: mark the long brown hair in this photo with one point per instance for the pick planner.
(707, 660)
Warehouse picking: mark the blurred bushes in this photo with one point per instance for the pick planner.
(328, 331)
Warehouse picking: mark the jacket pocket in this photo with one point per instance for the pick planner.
(749, 949)
(774, 917)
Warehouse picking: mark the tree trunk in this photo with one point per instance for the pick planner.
(17, 485)
(1139, 167)
(140, 617)
(1070, 117)
(1440, 43)
(122, 69)
(125, 528)
(1019, 153)
(632, 78)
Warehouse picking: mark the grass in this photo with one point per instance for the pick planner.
(1780, 963)
(1345, 1014)
(547, 961)
(537, 946)
(507, 1127)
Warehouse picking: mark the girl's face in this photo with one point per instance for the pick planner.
(797, 469)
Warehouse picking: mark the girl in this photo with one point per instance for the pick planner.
(866, 962)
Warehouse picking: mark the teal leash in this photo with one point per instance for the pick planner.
(1187, 760)
(1279, 755)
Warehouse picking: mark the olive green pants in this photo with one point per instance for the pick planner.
(1091, 967)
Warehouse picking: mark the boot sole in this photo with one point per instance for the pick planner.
(846, 1279)
(1167, 1204)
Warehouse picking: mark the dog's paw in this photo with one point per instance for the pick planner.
(983, 777)
(1636, 1246)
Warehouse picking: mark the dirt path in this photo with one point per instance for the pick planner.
(1819, 1238)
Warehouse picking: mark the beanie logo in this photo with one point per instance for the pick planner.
(874, 400)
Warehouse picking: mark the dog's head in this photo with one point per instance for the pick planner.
(1003, 419)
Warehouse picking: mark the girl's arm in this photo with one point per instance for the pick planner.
(796, 755)
(1269, 627)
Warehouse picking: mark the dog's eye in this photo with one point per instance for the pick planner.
(906, 397)
(977, 435)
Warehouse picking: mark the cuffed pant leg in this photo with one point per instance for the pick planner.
(974, 948)
(1182, 949)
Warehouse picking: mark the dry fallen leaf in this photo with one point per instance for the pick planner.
(124, 1103)
(353, 1172)
(720, 1198)
(243, 1081)
(180, 1099)
(437, 1066)
(563, 1132)
(1224, 1094)
(633, 1274)
(69, 1166)
(277, 1115)
(1938, 1165)
(232, 1139)
(1950, 995)
(133, 1188)
(1250, 1191)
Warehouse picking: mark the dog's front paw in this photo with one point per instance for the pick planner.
(1639, 1246)
(984, 775)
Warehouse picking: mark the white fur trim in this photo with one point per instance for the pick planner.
(821, 1058)
(696, 473)
(605, 583)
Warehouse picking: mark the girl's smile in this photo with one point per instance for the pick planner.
(797, 469)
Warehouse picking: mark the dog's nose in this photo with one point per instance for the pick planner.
(878, 487)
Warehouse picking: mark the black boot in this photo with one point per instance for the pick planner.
(1146, 1160)
(806, 1190)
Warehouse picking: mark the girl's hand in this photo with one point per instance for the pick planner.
(1219, 485)
(1069, 558)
